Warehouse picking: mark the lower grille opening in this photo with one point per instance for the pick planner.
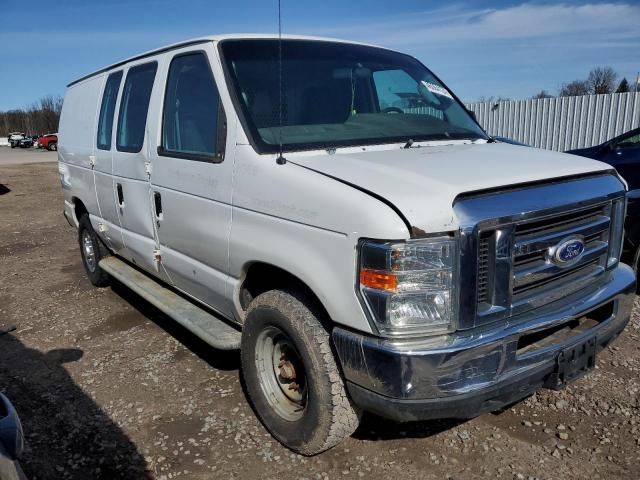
(560, 333)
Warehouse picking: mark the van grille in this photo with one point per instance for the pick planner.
(483, 269)
(535, 279)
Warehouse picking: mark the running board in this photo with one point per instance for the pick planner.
(210, 328)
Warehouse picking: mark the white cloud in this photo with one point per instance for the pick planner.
(512, 51)
(525, 21)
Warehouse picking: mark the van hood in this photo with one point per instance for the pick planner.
(423, 182)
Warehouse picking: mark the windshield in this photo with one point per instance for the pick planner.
(338, 94)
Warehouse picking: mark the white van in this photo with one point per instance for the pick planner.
(334, 211)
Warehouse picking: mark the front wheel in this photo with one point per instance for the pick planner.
(291, 376)
(53, 147)
(92, 251)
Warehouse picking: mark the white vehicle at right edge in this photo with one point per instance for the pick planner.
(334, 211)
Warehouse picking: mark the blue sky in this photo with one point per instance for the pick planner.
(479, 48)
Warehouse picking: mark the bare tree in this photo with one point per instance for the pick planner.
(493, 99)
(574, 89)
(542, 94)
(602, 80)
(40, 117)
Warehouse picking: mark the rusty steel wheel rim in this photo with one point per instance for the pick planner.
(281, 373)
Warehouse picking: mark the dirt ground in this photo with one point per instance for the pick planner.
(108, 387)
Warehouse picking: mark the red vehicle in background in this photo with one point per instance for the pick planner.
(49, 141)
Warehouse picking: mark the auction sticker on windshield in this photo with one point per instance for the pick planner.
(437, 89)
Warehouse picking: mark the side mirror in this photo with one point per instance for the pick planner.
(11, 436)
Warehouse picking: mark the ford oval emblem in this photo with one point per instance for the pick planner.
(568, 251)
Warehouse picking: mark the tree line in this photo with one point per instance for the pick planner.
(39, 118)
(600, 80)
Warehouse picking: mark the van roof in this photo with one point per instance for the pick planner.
(214, 38)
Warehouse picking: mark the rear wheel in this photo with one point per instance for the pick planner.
(53, 146)
(92, 251)
(291, 375)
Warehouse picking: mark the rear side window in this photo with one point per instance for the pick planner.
(193, 120)
(108, 107)
(132, 118)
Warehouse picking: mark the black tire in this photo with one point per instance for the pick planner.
(636, 267)
(97, 276)
(53, 146)
(328, 416)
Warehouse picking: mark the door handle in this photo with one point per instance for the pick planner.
(157, 201)
(120, 194)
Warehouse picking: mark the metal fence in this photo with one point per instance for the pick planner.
(561, 123)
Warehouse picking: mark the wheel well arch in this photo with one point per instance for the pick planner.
(78, 208)
(261, 277)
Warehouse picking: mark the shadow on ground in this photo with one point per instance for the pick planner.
(372, 426)
(376, 428)
(218, 359)
(4, 189)
(68, 436)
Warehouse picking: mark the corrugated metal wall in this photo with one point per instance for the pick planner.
(561, 123)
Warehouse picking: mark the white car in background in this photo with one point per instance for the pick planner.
(14, 138)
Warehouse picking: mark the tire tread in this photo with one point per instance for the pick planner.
(345, 416)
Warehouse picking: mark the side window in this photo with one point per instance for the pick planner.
(630, 142)
(193, 124)
(107, 109)
(132, 118)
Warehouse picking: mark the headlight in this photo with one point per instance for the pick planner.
(617, 232)
(409, 287)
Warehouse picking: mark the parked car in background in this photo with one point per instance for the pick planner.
(26, 142)
(11, 442)
(48, 141)
(623, 153)
(14, 138)
(632, 230)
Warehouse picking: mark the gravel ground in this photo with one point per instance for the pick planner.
(108, 387)
(13, 156)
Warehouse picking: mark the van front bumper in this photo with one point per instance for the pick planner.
(468, 373)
